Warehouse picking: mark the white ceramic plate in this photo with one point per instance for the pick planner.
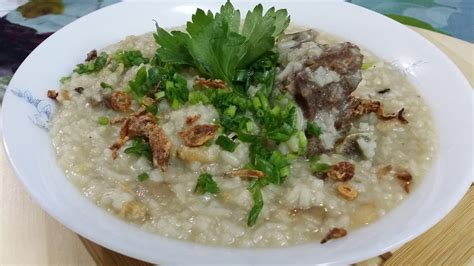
(26, 111)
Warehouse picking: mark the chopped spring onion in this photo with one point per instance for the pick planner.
(313, 129)
(105, 85)
(143, 176)
(226, 143)
(318, 167)
(205, 184)
(103, 120)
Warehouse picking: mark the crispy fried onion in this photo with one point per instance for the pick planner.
(361, 107)
(246, 173)
(333, 234)
(52, 94)
(91, 55)
(198, 135)
(142, 123)
(192, 119)
(211, 83)
(120, 101)
(406, 178)
(342, 171)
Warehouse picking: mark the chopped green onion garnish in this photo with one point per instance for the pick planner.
(319, 167)
(366, 66)
(302, 142)
(205, 184)
(159, 95)
(313, 129)
(230, 111)
(64, 79)
(105, 85)
(103, 120)
(226, 143)
(143, 176)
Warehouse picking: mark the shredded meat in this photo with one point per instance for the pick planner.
(211, 83)
(342, 171)
(91, 55)
(333, 234)
(198, 135)
(191, 119)
(246, 173)
(120, 101)
(52, 94)
(142, 123)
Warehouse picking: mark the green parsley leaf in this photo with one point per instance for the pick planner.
(205, 184)
(214, 44)
(143, 177)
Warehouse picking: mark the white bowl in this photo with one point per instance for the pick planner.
(26, 110)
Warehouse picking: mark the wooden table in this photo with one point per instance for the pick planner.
(29, 236)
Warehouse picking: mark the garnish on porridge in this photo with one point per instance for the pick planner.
(248, 133)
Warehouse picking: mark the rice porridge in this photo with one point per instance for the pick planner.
(359, 139)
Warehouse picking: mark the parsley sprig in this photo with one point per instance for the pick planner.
(216, 46)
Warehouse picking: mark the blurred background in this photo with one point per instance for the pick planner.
(25, 24)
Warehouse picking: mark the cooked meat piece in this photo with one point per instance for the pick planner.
(246, 173)
(144, 124)
(191, 119)
(333, 234)
(211, 83)
(342, 171)
(52, 94)
(120, 101)
(198, 135)
(91, 55)
(343, 58)
(345, 62)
